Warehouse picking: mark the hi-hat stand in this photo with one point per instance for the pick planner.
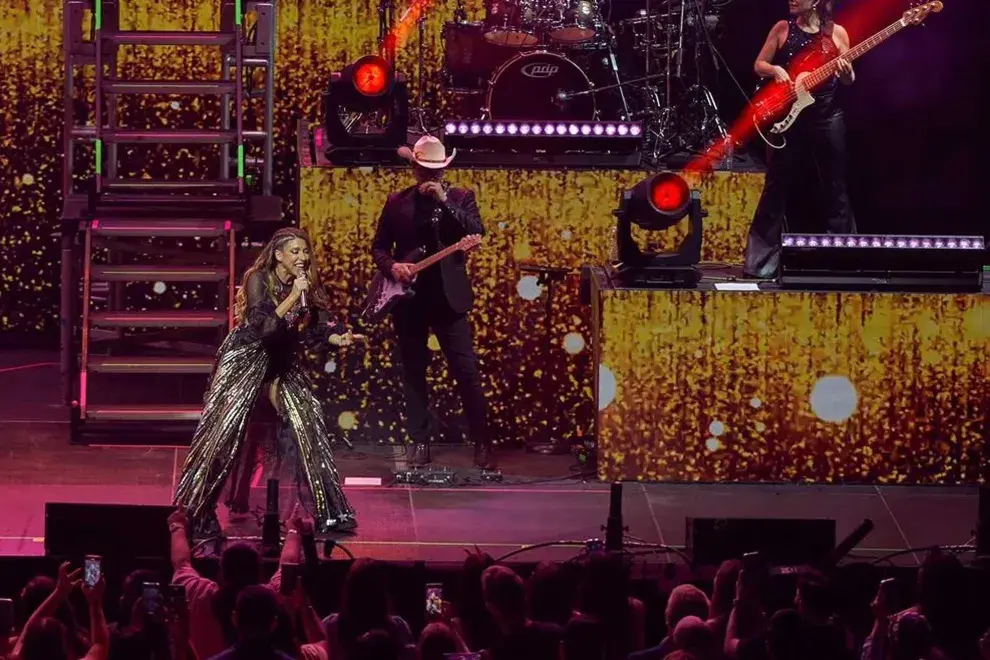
(662, 133)
(420, 110)
(702, 125)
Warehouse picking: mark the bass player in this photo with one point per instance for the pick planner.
(430, 215)
(809, 38)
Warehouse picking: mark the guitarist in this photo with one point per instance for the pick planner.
(432, 215)
(809, 38)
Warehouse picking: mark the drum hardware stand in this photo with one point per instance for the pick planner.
(710, 127)
(420, 110)
(614, 65)
(663, 127)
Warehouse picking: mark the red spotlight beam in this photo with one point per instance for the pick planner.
(399, 33)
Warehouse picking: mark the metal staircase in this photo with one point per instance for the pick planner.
(149, 266)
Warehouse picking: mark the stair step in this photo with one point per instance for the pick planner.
(116, 86)
(150, 365)
(170, 319)
(141, 413)
(167, 205)
(169, 38)
(158, 273)
(174, 136)
(175, 185)
(87, 132)
(165, 227)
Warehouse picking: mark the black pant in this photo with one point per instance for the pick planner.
(413, 321)
(261, 428)
(812, 140)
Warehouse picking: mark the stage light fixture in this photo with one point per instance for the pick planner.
(539, 143)
(366, 108)
(888, 242)
(371, 76)
(879, 262)
(656, 204)
(459, 129)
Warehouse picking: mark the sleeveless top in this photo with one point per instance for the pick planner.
(807, 51)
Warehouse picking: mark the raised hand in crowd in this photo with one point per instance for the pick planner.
(43, 634)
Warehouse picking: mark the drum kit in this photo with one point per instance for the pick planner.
(584, 60)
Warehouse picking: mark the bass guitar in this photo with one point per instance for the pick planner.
(779, 104)
(385, 293)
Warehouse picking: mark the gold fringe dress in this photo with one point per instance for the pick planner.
(261, 349)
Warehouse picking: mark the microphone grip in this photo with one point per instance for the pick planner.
(302, 299)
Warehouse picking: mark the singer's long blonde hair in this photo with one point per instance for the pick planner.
(266, 263)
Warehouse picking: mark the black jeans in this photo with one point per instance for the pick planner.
(820, 140)
(413, 320)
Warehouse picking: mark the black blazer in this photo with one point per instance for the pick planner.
(396, 238)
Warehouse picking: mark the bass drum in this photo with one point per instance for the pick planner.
(534, 85)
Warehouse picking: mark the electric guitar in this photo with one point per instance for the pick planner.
(788, 99)
(385, 293)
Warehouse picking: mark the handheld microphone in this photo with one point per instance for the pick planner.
(302, 295)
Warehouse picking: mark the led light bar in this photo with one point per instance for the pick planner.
(878, 262)
(883, 241)
(544, 129)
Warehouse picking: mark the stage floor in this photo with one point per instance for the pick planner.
(541, 498)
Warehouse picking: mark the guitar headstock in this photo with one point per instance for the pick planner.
(469, 242)
(916, 15)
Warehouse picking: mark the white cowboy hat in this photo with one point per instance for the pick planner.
(428, 152)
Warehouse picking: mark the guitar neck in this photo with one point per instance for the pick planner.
(826, 71)
(433, 258)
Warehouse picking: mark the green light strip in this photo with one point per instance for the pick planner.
(240, 161)
(99, 14)
(237, 12)
(99, 152)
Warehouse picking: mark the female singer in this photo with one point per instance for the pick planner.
(281, 311)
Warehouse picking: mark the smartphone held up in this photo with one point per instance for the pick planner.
(151, 597)
(92, 570)
(434, 600)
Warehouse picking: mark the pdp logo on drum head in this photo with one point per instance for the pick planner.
(539, 70)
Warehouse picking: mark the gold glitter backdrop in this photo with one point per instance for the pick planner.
(790, 386)
(536, 369)
(315, 37)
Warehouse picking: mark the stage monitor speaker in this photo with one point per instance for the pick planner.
(121, 530)
(781, 541)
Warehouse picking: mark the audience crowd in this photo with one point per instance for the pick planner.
(571, 611)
